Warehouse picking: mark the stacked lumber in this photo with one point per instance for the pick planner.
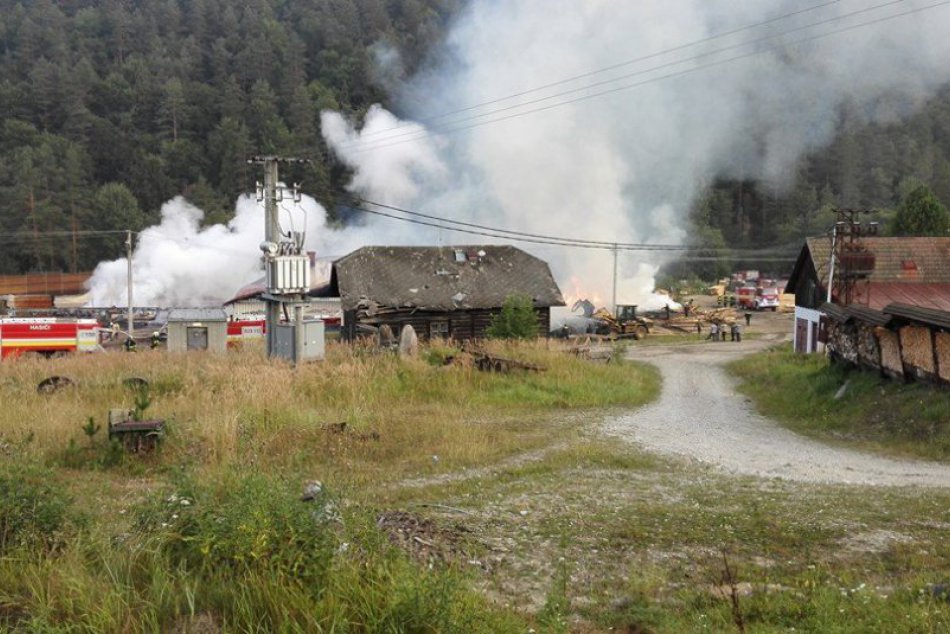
(33, 302)
(53, 283)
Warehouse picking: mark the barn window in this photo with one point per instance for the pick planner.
(438, 329)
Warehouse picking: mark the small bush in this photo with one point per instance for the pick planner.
(517, 320)
(249, 522)
(33, 509)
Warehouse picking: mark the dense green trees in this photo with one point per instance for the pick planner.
(127, 103)
(108, 108)
(869, 166)
(921, 214)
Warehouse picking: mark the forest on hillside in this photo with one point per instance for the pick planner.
(111, 107)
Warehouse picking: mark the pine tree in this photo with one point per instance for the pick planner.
(921, 214)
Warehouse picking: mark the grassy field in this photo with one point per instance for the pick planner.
(210, 532)
(873, 413)
(483, 503)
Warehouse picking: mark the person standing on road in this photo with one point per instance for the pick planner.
(737, 332)
(713, 331)
(748, 318)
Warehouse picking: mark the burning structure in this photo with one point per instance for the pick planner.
(440, 291)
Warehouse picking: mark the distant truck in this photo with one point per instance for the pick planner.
(752, 298)
(47, 336)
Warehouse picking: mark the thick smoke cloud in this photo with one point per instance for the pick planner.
(619, 167)
(626, 166)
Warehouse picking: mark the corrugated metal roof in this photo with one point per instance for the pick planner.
(442, 278)
(939, 318)
(197, 314)
(838, 313)
(868, 315)
(877, 295)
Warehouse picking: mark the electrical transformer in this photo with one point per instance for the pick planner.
(288, 274)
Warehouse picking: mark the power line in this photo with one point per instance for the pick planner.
(671, 75)
(605, 69)
(658, 67)
(64, 233)
(496, 229)
(432, 221)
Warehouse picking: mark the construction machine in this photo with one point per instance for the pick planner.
(625, 324)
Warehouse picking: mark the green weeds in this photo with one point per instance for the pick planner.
(833, 403)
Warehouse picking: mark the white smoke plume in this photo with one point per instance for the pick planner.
(180, 263)
(621, 167)
(626, 166)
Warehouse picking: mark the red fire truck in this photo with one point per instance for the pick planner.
(47, 335)
(752, 298)
(246, 328)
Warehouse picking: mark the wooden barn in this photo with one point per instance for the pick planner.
(912, 271)
(448, 292)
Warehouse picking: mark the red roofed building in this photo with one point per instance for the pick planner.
(907, 270)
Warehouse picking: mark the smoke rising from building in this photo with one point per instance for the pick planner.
(625, 166)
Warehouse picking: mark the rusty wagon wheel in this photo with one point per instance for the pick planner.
(53, 384)
(135, 383)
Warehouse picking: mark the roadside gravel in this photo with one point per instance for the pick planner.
(701, 417)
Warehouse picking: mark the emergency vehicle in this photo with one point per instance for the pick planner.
(752, 298)
(47, 335)
(246, 328)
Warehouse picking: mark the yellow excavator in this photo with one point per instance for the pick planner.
(624, 325)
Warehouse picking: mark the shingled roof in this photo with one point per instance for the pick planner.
(442, 278)
(908, 270)
(897, 259)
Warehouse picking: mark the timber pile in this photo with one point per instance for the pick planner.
(680, 324)
(869, 353)
(491, 363)
(943, 355)
(597, 353)
(890, 352)
(843, 342)
(917, 349)
(44, 284)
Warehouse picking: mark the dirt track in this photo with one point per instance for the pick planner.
(700, 416)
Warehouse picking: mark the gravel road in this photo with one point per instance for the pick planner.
(700, 416)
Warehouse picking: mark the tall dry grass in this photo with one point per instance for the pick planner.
(241, 409)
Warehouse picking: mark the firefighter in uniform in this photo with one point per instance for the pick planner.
(156, 339)
(129, 344)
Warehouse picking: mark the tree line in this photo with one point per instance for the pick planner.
(108, 108)
(899, 170)
(111, 107)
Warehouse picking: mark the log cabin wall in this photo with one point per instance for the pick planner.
(461, 325)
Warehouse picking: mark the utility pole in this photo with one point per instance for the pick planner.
(271, 236)
(831, 265)
(128, 257)
(287, 268)
(852, 262)
(615, 250)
